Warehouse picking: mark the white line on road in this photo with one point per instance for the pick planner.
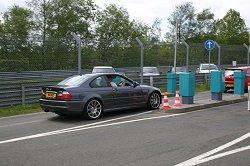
(223, 154)
(195, 160)
(15, 124)
(82, 128)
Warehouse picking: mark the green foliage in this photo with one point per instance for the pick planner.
(231, 29)
(38, 38)
(184, 15)
(14, 65)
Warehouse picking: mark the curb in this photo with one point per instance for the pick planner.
(195, 107)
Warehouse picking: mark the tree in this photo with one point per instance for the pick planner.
(115, 32)
(231, 29)
(184, 15)
(58, 17)
(204, 26)
(17, 22)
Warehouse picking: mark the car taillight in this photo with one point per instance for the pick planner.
(42, 94)
(64, 95)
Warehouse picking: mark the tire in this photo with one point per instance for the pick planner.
(93, 109)
(154, 101)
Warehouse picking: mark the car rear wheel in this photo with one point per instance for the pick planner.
(154, 101)
(93, 109)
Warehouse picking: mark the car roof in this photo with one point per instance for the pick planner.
(239, 67)
(103, 67)
(207, 64)
(149, 67)
(100, 74)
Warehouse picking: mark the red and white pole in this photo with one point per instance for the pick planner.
(248, 105)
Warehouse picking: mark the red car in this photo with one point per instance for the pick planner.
(229, 77)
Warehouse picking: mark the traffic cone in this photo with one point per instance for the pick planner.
(177, 102)
(165, 102)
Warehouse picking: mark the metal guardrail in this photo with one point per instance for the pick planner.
(27, 93)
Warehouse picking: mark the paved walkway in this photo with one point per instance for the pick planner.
(202, 100)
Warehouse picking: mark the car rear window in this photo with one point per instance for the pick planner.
(74, 80)
(230, 72)
(103, 70)
(150, 70)
(206, 67)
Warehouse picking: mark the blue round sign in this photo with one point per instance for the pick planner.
(209, 44)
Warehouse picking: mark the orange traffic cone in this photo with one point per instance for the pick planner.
(165, 102)
(177, 102)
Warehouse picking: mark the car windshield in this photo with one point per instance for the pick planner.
(179, 69)
(74, 80)
(150, 70)
(206, 67)
(103, 70)
(230, 72)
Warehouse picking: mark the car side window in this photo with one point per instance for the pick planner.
(99, 82)
(248, 72)
(121, 81)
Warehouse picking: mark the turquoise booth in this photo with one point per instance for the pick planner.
(217, 85)
(239, 80)
(171, 83)
(187, 87)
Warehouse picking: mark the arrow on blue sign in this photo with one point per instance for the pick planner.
(209, 44)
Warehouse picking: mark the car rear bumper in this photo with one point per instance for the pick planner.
(62, 107)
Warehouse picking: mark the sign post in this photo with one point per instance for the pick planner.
(209, 45)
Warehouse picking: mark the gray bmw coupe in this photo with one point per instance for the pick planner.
(93, 94)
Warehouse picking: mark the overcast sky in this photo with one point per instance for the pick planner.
(148, 10)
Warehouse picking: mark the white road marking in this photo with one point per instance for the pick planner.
(15, 124)
(222, 154)
(195, 160)
(79, 128)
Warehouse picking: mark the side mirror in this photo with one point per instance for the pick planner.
(135, 84)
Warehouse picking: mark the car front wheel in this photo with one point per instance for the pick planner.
(154, 101)
(93, 109)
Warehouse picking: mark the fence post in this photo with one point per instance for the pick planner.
(23, 94)
(187, 55)
(219, 55)
(142, 57)
(248, 52)
(151, 80)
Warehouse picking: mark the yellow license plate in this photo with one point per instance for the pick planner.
(229, 85)
(50, 95)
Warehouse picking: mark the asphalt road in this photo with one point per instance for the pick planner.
(217, 136)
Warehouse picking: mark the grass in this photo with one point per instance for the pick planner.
(198, 88)
(18, 110)
(32, 108)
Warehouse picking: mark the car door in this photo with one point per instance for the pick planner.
(126, 95)
(100, 86)
(247, 79)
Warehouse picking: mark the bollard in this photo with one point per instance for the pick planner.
(171, 83)
(248, 106)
